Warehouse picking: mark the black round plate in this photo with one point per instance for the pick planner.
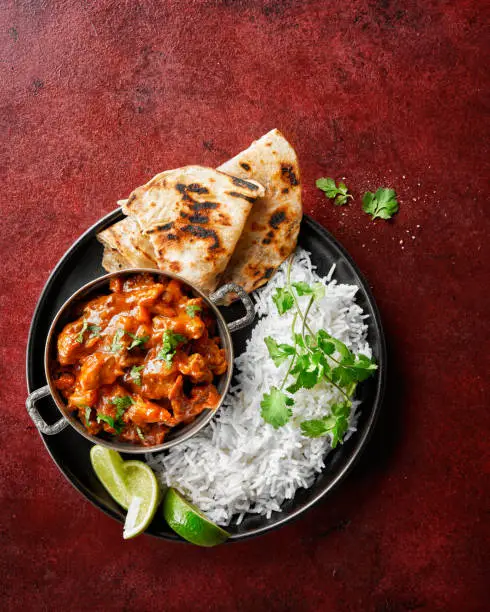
(70, 451)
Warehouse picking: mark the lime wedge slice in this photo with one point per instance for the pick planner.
(144, 492)
(189, 522)
(109, 467)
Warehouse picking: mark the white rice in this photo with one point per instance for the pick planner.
(239, 464)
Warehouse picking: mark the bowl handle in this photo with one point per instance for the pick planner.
(39, 422)
(243, 296)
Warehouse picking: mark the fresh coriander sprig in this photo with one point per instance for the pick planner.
(311, 360)
(170, 341)
(116, 345)
(382, 204)
(137, 340)
(191, 310)
(135, 374)
(93, 329)
(339, 194)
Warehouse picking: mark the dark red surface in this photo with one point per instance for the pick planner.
(96, 98)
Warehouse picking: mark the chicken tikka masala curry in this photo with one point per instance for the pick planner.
(141, 360)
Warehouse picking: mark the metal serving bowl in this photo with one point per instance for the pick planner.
(66, 314)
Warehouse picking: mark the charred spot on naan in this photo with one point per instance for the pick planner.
(160, 228)
(235, 194)
(254, 269)
(277, 217)
(245, 166)
(182, 189)
(198, 206)
(224, 219)
(243, 183)
(289, 175)
(200, 219)
(196, 188)
(189, 233)
(203, 232)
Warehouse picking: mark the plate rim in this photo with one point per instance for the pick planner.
(361, 443)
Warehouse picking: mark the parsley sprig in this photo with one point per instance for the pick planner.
(93, 329)
(339, 194)
(117, 345)
(170, 341)
(137, 340)
(382, 204)
(191, 310)
(135, 374)
(313, 357)
(122, 403)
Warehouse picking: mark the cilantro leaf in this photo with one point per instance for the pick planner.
(276, 408)
(340, 410)
(362, 368)
(122, 403)
(346, 356)
(315, 357)
(116, 341)
(324, 343)
(283, 300)
(88, 412)
(336, 424)
(191, 309)
(82, 331)
(308, 370)
(340, 429)
(314, 428)
(135, 374)
(137, 340)
(170, 341)
(382, 204)
(318, 290)
(339, 194)
(94, 331)
(107, 419)
(302, 288)
(298, 338)
(278, 352)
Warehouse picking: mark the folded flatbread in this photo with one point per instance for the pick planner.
(193, 217)
(133, 246)
(113, 261)
(272, 228)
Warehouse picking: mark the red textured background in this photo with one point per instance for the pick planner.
(96, 98)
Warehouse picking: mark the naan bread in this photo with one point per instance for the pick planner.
(193, 217)
(113, 261)
(134, 247)
(272, 228)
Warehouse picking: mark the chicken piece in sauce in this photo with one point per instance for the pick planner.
(140, 361)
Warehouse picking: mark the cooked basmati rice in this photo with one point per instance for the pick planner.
(239, 464)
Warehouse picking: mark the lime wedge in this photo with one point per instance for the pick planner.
(145, 496)
(109, 467)
(189, 522)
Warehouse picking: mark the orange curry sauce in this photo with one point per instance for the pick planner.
(140, 360)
